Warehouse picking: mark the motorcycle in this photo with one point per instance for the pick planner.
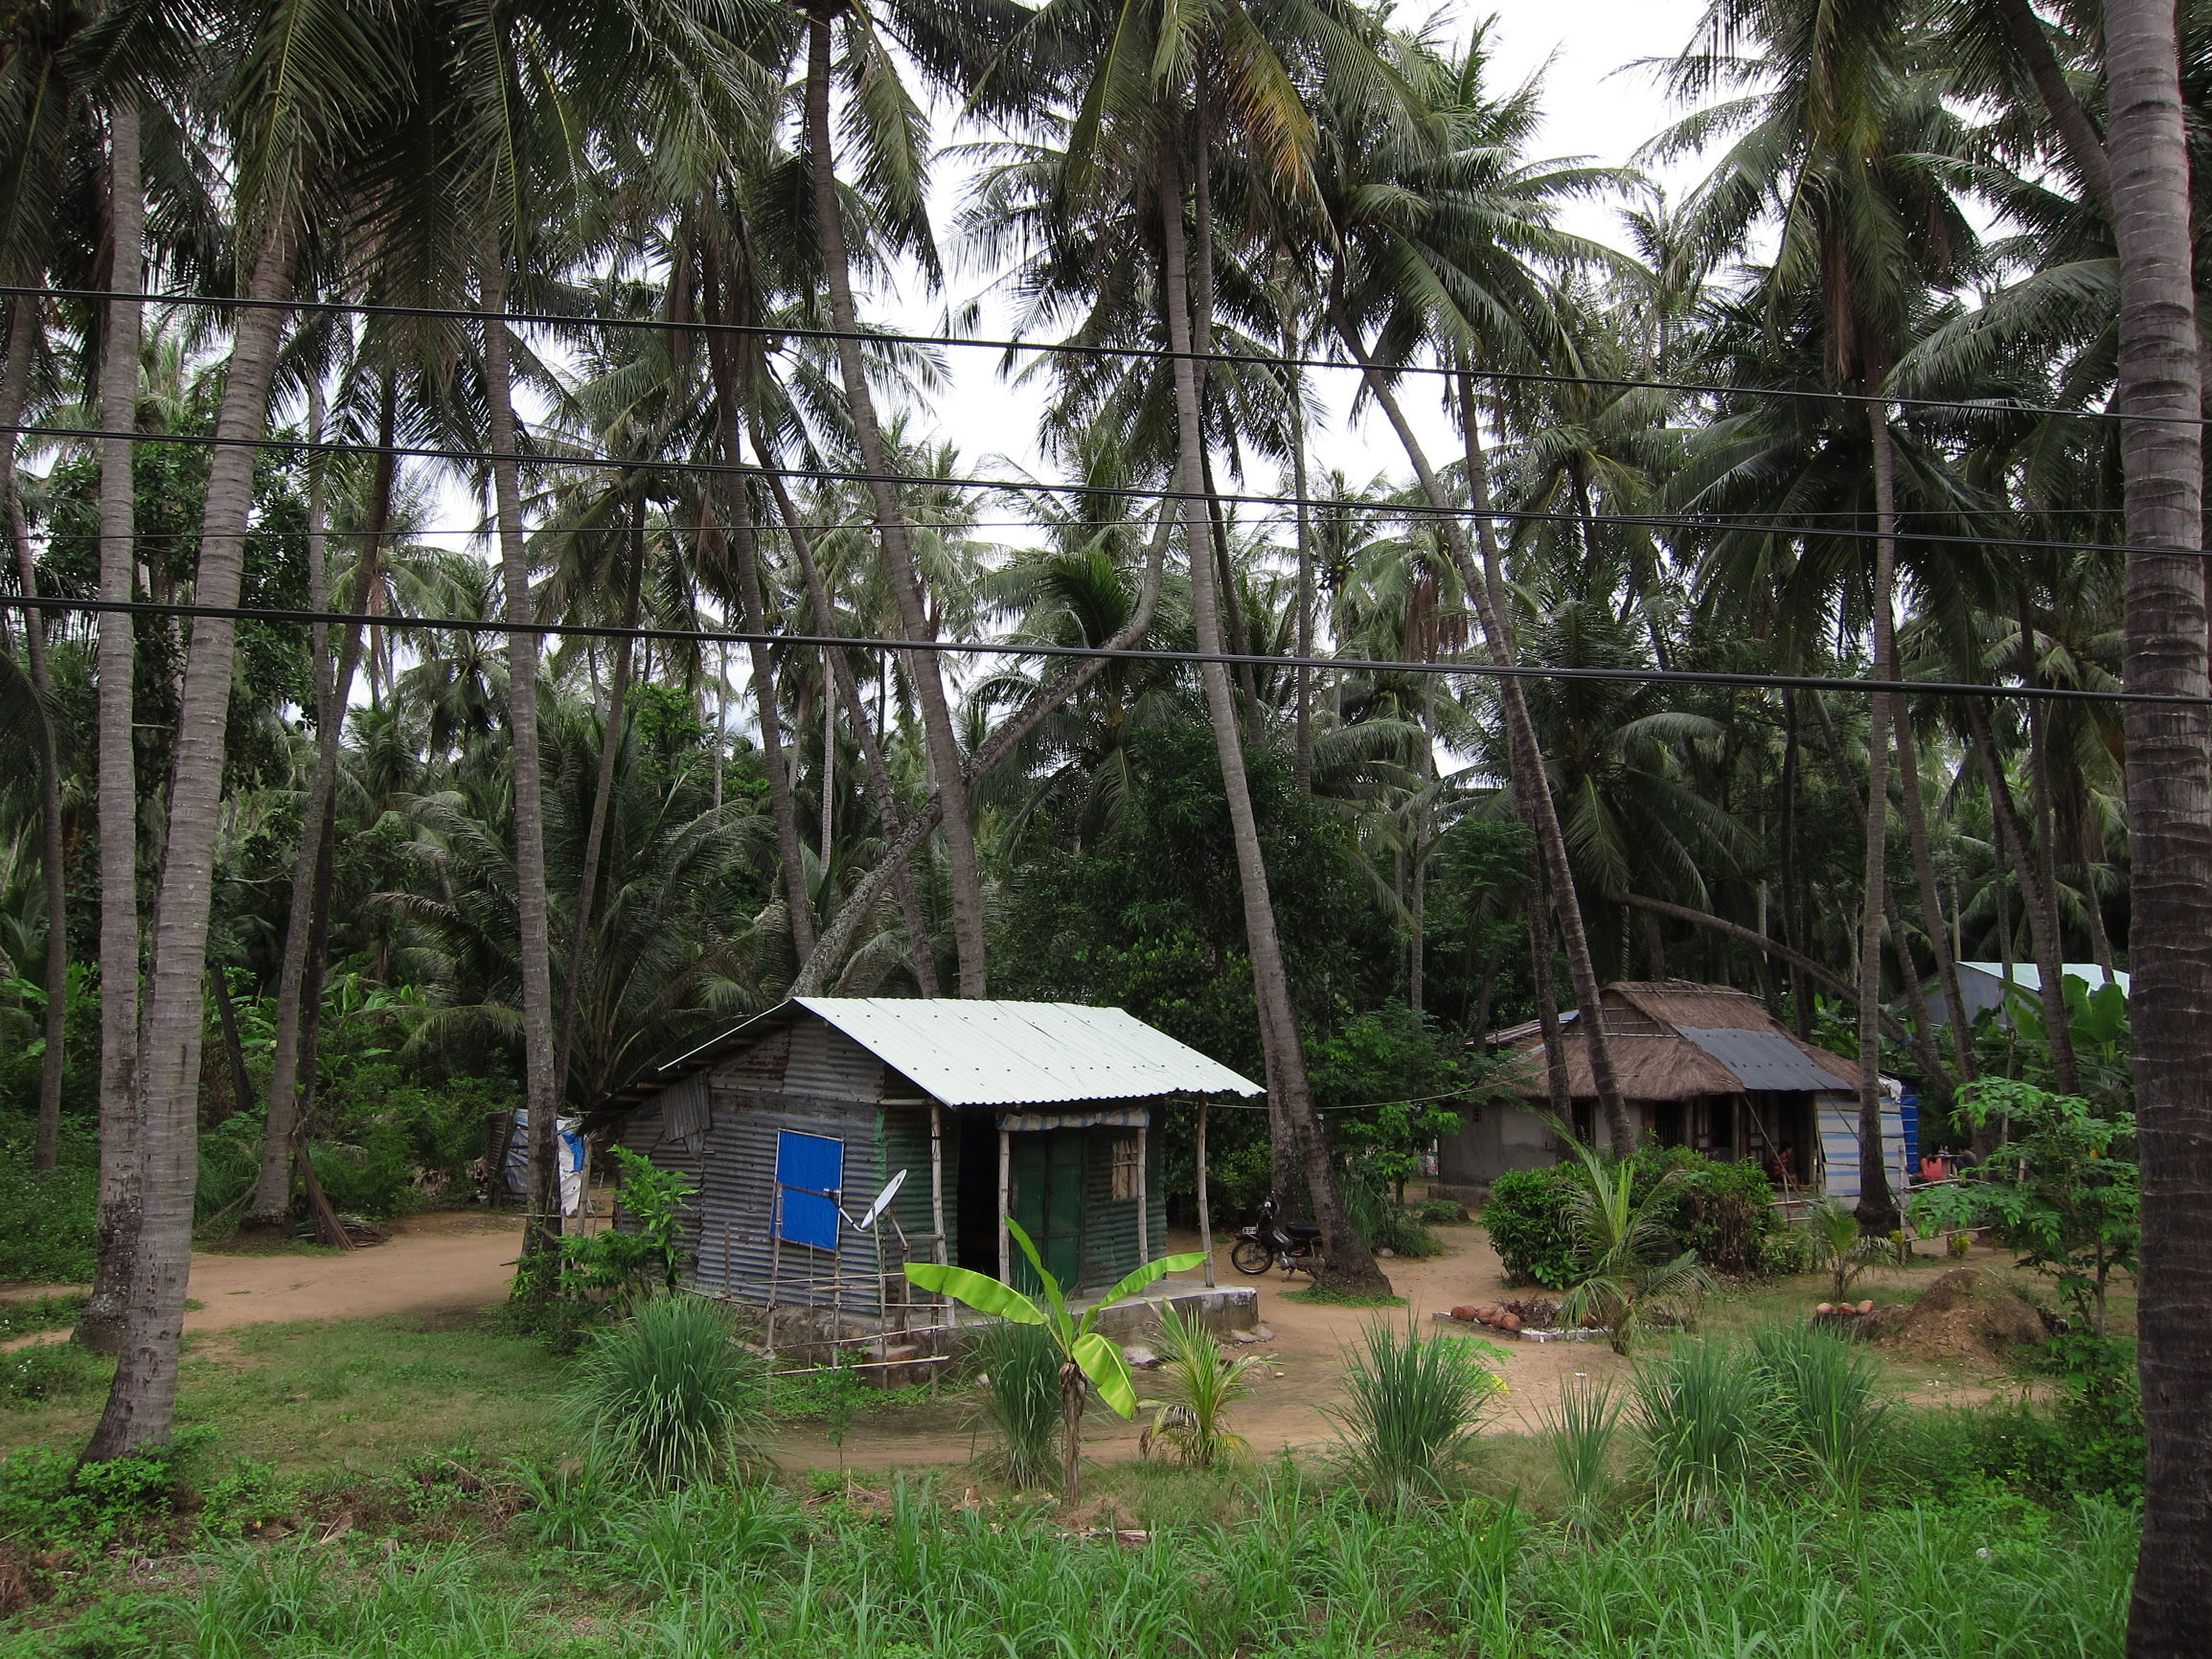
(1269, 1243)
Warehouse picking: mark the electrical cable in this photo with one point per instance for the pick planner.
(1034, 486)
(1018, 648)
(1519, 376)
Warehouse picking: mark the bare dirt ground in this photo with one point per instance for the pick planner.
(446, 1262)
(1298, 1381)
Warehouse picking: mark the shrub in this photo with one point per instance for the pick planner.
(1413, 1402)
(1723, 1211)
(667, 1394)
(1020, 1401)
(1578, 1432)
(1382, 1222)
(1824, 1398)
(51, 1217)
(50, 1371)
(49, 1501)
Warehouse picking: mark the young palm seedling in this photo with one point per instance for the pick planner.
(1629, 1284)
(1087, 1360)
(1200, 1383)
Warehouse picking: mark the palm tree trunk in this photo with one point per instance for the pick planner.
(922, 667)
(2065, 1071)
(1547, 1001)
(602, 804)
(1876, 1209)
(1347, 1260)
(100, 1326)
(541, 1088)
(752, 603)
(2168, 817)
(1302, 749)
(2077, 133)
(53, 851)
(1937, 926)
(142, 1400)
(1484, 585)
(886, 799)
(2018, 851)
(1800, 1001)
(837, 938)
(272, 1199)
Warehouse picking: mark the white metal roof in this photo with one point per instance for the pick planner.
(2028, 977)
(1001, 1053)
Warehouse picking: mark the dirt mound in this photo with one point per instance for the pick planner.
(1964, 1316)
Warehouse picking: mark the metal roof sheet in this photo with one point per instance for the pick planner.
(2029, 977)
(1762, 1059)
(970, 1053)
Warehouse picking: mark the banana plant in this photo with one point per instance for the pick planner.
(1086, 1358)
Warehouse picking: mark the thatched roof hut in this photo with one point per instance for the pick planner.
(1700, 1065)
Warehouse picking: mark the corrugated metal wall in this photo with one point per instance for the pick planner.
(827, 1064)
(1110, 1234)
(646, 1132)
(736, 1256)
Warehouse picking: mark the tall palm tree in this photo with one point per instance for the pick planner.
(2169, 811)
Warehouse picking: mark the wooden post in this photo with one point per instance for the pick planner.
(1005, 1185)
(937, 1210)
(1205, 1210)
(1144, 1200)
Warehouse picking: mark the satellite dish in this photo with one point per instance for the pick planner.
(882, 1202)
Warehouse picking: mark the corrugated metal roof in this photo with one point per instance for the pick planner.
(1761, 1059)
(2028, 977)
(1002, 1054)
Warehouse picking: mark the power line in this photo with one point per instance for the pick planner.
(1016, 649)
(1514, 376)
(1120, 491)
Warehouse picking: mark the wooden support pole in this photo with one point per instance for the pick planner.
(1005, 1189)
(1144, 1199)
(1205, 1208)
(937, 1206)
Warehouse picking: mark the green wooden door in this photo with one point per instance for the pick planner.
(1047, 1200)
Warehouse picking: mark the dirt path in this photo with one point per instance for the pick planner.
(1298, 1382)
(446, 1262)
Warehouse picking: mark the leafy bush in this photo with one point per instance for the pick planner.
(35, 1313)
(667, 1394)
(1382, 1222)
(49, 1501)
(1412, 1403)
(622, 1263)
(51, 1217)
(1723, 1211)
(1704, 1419)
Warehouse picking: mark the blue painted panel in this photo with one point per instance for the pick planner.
(808, 1167)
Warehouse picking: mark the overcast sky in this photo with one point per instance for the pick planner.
(1596, 107)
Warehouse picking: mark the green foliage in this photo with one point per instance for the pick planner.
(51, 1217)
(1578, 1432)
(1703, 1418)
(50, 1371)
(1825, 1402)
(667, 1394)
(620, 1264)
(1838, 1249)
(1720, 1209)
(2097, 1020)
(1625, 1279)
(35, 1313)
(1020, 1367)
(1392, 1061)
(1412, 1403)
(2061, 1190)
(1199, 1384)
(1382, 1222)
(51, 1501)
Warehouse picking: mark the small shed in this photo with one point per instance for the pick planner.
(793, 1124)
(1701, 1065)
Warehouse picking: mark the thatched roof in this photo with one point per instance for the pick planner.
(1675, 1039)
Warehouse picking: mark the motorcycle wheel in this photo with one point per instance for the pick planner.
(1250, 1256)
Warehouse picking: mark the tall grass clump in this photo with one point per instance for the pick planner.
(1704, 1417)
(1413, 1403)
(1823, 1392)
(1578, 1432)
(1200, 1384)
(668, 1394)
(1020, 1401)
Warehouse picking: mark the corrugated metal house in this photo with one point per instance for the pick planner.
(1701, 1065)
(793, 1123)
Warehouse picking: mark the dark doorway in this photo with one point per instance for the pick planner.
(974, 1153)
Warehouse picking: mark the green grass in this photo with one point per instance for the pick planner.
(1274, 1567)
(1328, 1296)
(358, 1393)
(29, 1314)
